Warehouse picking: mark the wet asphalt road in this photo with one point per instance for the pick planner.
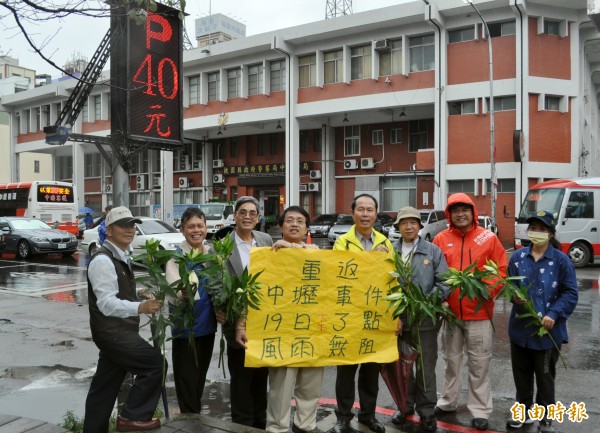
(47, 357)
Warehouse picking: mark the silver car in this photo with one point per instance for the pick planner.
(150, 228)
(434, 221)
(341, 226)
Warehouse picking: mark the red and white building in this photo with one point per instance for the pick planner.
(393, 102)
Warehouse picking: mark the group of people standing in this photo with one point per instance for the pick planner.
(261, 397)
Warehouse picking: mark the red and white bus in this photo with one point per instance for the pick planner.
(53, 202)
(575, 204)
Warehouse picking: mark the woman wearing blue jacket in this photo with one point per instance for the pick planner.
(190, 364)
(552, 286)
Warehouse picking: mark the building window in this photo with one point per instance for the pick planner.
(233, 147)
(422, 53)
(456, 108)
(390, 62)
(308, 70)
(85, 112)
(273, 144)
(194, 87)
(352, 140)
(461, 35)
(467, 186)
(45, 119)
(213, 86)
(317, 141)
(552, 103)
(396, 136)
(97, 107)
(503, 103)
(418, 135)
(36, 119)
(377, 137)
(333, 66)
(92, 164)
(233, 193)
(255, 79)
(502, 29)
(551, 27)
(504, 185)
(278, 76)
(398, 192)
(234, 83)
(303, 141)
(360, 62)
(260, 145)
(36, 166)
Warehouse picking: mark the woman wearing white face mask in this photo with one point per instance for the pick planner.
(552, 286)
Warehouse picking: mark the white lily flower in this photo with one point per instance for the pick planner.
(193, 279)
(239, 290)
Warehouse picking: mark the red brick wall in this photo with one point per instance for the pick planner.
(549, 55)
(549, 134)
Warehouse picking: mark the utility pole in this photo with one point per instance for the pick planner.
(337, 8)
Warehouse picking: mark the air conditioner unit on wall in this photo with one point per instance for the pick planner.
(303, 187)
(156, 182)
(315, 174)
(350, 164)
(382, 45)
(217, 163)
(140, 181)
(108, 188)
(184, 182)
(314, 186)
(197, 164)
(218, 178)
(367, 163)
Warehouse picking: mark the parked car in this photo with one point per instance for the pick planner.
(150, 228)
(486, 222)
(30, 236)
(98, 218)
(321, 225)
(434, 221)
(386, 223)
(341, 226)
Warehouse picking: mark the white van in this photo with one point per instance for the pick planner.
(218, 215)
(575, 204)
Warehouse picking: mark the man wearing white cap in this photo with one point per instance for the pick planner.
(114, 322)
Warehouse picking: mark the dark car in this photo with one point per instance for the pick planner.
(319, 227)
(384, 223)
(29, 236)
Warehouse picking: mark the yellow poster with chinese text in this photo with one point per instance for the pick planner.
(320, 307)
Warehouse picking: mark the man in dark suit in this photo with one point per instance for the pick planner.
(248, 386)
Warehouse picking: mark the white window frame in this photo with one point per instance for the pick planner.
(309, 67)
(395, 61)
(464, 107)
(463, 33)
(234, 83)
(334, 59)
(277, 78)
(194, 89)
(419, 47)
(377, 137)
(213, 80)
(362, 55)
(352, 140)
(396, 136)
(420, 133)
(255, 79)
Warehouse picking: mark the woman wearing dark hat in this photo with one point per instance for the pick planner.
(552, 286)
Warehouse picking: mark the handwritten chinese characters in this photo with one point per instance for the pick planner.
(320, 308)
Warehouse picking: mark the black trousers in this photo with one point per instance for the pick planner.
(189, 370)
(248, 389)
(368, 388)
(127, 353)
(527, 363)
(422, 388)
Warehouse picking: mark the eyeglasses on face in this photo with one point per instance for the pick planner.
(245, 213)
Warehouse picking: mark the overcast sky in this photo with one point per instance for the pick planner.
(77, 35)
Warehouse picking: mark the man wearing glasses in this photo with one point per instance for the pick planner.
(248, 386)
(114, 321)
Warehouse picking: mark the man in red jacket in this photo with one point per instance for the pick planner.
(464, 243)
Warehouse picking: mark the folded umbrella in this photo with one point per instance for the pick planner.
(396, 375)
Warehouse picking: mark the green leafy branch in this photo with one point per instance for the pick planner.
(405, 297)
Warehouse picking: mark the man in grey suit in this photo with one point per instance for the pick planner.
(248, 386)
